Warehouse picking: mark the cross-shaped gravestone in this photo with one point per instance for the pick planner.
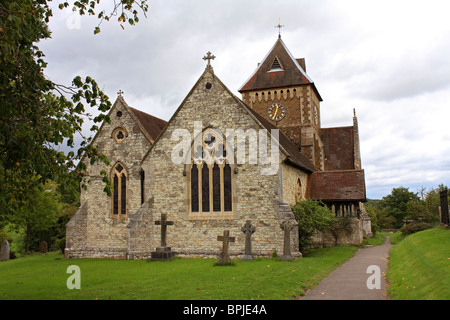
(163, 223)
(287, 226)
(4, 252)
(248, 229)
(224, 256)
(163, 252)
(209, 57)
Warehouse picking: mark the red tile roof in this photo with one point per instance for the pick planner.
(341, 185)
(151, 124)
(338, 147)
(291, 74)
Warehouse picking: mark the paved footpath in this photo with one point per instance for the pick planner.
(349, 281)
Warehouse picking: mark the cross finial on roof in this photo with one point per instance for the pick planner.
(120, 93)
(209, 57)
(279, 26)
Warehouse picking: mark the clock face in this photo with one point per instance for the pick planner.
(276, 111)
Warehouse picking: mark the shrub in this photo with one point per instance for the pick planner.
(62, 244)
(274, 254)
(312, 216)
(415, 227)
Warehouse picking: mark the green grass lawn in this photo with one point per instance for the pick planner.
(419, 266)
(376, 240)
(44, 276)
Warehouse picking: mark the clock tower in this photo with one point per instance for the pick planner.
(281, 91)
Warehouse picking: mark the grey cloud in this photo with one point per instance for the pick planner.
(353, 62)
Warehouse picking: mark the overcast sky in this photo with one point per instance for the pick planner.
(390, 60)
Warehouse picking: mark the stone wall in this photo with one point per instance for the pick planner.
(291, 176)
(299, 123)
(328, 239)
(94, 231)
(255, 197)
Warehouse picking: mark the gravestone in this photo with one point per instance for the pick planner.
(444, 207)
(43, 248)
(163, 252)
(224, 256)
(248, 229)
(4, 253)
(287, 225)
(69, 244)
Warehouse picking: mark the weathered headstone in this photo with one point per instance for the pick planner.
(224, 256)
(4, 253)
(69, 244)
(248, 229)
(444, 207)
(163, 252)
(287, 226)
(43, 248)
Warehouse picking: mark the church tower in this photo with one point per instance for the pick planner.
(281, 91)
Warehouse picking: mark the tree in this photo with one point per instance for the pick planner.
(312, 216)
(425, 209)
(42, 210)
(380, 218)
(37, 116)
(395, 204)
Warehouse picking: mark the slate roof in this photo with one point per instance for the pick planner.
(290, 74)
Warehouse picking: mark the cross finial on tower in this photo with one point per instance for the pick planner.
(120, 93)
(279, 26)
(209, 57)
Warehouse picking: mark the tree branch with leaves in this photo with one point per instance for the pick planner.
(37, 116)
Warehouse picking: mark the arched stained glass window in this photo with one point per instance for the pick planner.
(210, 176)
(119, 201)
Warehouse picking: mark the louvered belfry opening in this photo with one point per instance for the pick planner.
(276, 65)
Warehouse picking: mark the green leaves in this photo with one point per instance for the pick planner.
(121, 8)
(40, 121)
(311, 216)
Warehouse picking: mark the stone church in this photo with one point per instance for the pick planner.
(218, 162)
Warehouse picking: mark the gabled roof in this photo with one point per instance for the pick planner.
(151, 124)
(267, 77)
(294, 157)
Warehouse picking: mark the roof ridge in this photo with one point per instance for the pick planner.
(291, 75)
(295, 61)
(147, 114)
